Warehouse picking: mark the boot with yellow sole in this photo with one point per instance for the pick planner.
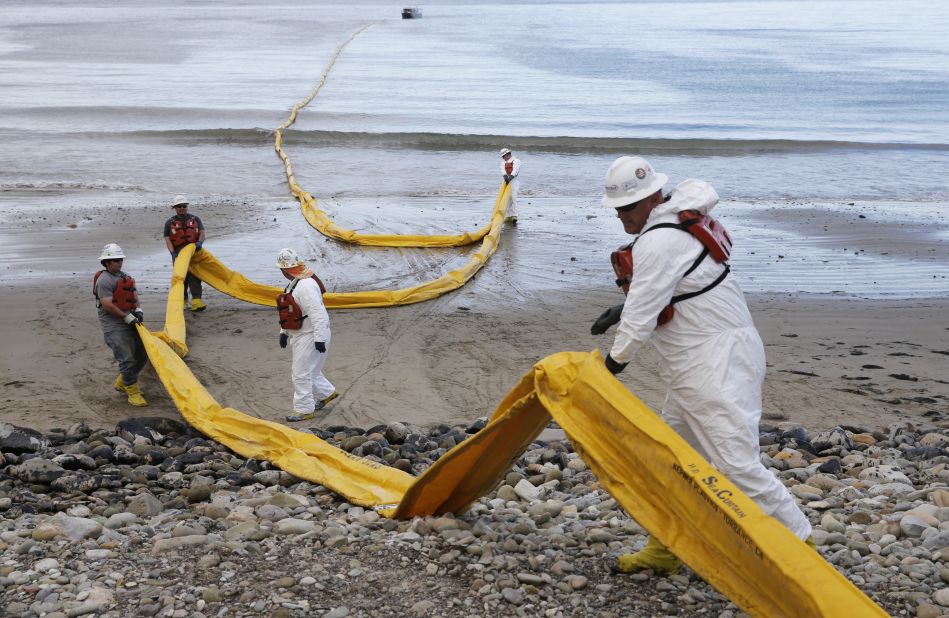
(119, 384)
(136, 398)
(654, 556)
(198, 305)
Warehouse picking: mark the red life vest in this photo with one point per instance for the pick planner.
(509, 167)
(709, 232)
(715, 242)
(291, 315)
(125, 296)
(184, 232)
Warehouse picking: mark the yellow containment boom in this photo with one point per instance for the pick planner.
(210, 270)
(325, 225)
(661, 481)
(362, 481)
(655, 475)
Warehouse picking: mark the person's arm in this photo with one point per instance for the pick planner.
(200, 242)
(167, 235)
(660, 259)
(110, 308)
(308, 296)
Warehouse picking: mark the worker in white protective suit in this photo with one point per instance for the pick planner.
(510, 168)
(713, 360)
(305, 326)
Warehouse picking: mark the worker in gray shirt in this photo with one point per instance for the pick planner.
(117, 301)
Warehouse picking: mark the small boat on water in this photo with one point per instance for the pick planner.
(411, 13)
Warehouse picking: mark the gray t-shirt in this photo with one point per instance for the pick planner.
(105, 288)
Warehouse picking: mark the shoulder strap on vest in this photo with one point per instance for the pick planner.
(721, 277)
(685, 228)
(697, 261)
(658, 226)
(704, 254)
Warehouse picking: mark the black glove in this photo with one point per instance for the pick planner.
(612, 366)
(507, 178)
(607, 318)
(283, 340)
(139, 315)
(174, 255)
(198, 245)
(320, 346)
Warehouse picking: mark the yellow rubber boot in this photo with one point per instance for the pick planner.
(653, 556)
(198, 305)
(135, 396)
(119, 384)
(322, 404)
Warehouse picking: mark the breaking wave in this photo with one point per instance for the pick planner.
(561, 144)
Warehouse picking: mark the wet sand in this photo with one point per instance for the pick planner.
(834, 358)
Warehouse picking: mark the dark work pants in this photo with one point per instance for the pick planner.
(194, 284)
(129, 352)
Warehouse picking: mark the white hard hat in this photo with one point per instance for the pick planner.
(179, 200)
(287, 258)
(629, 180)
(112, 252)
(505, 151)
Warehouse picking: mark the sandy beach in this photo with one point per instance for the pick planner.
(834, 359)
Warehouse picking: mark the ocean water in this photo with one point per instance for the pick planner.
(793, 100)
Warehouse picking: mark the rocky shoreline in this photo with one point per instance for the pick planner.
(152, 519)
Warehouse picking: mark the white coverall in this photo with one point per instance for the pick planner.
(307, 368)
(713, 360)
(515, 184)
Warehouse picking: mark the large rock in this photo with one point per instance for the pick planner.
(38, 470)
(75, 461)
(121, 520)
(166, 545)
(288, 501)
(145, 505)
(271, 512)
(885, 473)
(526, 491)
(20, 440)
(125, 455)
(914, 525)
(78, 528)
(69, 482)
(102, 452)
(245, 531)
(396, 433)
(825, 440)
(936, 440)
(133, 430)
(164, 425)
(294, 526)
(937, 541)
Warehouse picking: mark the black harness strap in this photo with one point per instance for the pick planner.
(697, 261)
(721, 277)
(704, 254)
